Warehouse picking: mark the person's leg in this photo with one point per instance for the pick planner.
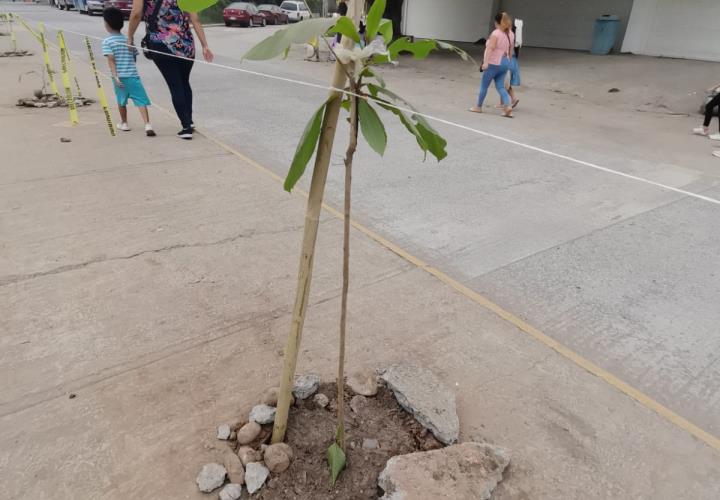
(144, 114)
(173, 75)
(500, 85)
(487, 78)
(186, 70)
(123, 113)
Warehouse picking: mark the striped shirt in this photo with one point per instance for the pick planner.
(116, 46)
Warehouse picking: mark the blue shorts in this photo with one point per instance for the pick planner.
(514, 72)
(132, 89)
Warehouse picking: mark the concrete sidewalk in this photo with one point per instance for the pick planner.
(153, 278)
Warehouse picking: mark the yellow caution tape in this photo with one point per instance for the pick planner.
(101, 91)
(70, 69)
(29, 29)
(46, 58)
(66, 80)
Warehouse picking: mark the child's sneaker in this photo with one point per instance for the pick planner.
(123, 126)
(700, 131)
(716, 154)
(149, 130)
(714, 137)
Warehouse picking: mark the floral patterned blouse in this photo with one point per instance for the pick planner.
(173, 27)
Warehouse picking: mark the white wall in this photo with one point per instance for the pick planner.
(674, 28)
(456, 20)
(566, 24)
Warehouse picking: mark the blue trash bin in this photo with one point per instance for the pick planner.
(604, 35)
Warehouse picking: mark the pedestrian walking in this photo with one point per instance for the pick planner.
(496, 63)
(171, 46)
(515, 80)
(125, 76)
(709, 111)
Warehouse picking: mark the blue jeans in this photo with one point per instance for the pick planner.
(496, 73)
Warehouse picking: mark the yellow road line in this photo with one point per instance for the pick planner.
(522, 325)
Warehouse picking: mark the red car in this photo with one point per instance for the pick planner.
(125, 6)
(273, 14)
(243, 13)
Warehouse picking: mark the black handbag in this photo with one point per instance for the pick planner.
(151, 26)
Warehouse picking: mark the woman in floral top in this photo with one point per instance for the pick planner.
(169, 33)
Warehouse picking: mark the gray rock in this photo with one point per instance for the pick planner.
(305, 386)
(467, 471)
(255, 476)
(363, 382)
(248, 455)
(262, 414)
(231, 491)
(248, 433)
(370, 444)
(211, 476)
(425, 397)
(321, 400)
(277, 458)
(223, 432)
(234, 467)
(358, 404)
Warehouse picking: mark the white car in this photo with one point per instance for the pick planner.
(296, 10)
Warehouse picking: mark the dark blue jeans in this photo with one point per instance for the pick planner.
(176, 73)
(495, 73)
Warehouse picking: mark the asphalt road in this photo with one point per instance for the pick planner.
(623, 272)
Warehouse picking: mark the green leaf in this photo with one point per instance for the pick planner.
(409, 125)
(336, 459)
(419, 49)
(195, 5)
(372, 127)
(346, 27)
(305, 149)
(386, 30)
(452, 48)
(436, 143)
(373, 19)
(427, 137)
(281, 41)
(367, 72)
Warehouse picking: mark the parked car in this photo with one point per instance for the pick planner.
(65, 4)
(243, 13)
(125, 6)
(273, 14)
(296, 10)
(95, 6)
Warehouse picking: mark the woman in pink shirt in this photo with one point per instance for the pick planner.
(498, 53)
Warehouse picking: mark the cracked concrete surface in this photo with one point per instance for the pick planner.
(162, 347)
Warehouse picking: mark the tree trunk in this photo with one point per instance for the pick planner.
(352, 146)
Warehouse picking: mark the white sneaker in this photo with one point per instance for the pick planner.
(716, 154)
(700, 131)
(714, 137)
(123, 126)
(149, 130)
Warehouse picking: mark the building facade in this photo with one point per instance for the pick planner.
(672, 28)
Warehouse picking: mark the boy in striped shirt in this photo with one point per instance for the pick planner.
(126, 79)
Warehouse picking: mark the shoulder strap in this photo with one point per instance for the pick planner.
(151, 22)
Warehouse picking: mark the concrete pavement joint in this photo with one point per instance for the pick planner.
(111, 169)
(17, 278)
(645, 400)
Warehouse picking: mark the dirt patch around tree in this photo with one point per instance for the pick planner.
(377, 420)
